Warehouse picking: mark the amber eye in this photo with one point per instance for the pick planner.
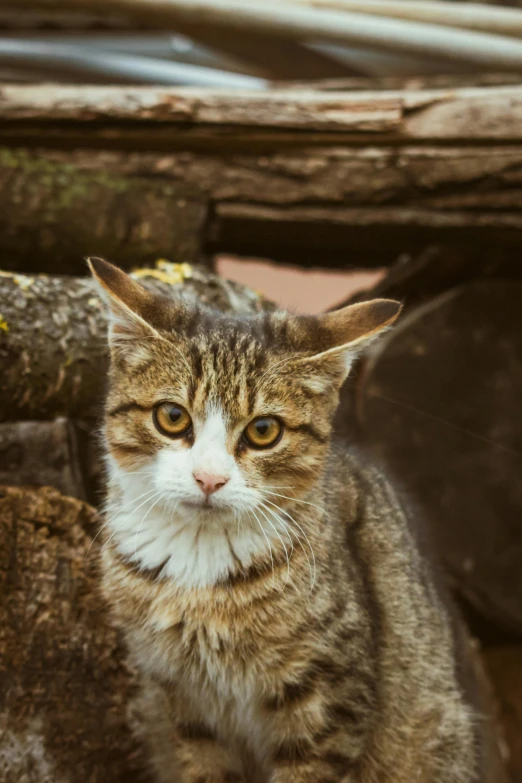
(172, 419)
(263, 432)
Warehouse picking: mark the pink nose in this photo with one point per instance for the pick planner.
(209, 483)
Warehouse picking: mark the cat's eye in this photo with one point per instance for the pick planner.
(263, 432)
(172, 420)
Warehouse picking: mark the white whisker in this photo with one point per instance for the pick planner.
(267, 541)
(108, 521)
(297, 500)
(118, 528)
(136, 534)
(284, 546)
(290, 517)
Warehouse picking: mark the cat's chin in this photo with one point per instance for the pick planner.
(202, 511)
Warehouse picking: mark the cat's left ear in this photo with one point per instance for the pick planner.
(130, 307)
(344, 333)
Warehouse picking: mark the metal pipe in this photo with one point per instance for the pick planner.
(120, 67)
(285, 17)
(470, 16)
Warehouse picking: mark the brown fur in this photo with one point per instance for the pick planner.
(277, 674)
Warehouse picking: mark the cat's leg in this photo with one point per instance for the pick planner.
(182, 749)
(322, 745)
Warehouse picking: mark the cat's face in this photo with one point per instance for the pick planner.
(222, 419)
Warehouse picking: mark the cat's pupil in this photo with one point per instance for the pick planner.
(174, 415)
(262, 427)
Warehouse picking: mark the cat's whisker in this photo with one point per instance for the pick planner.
(267, 540)
(108, 521)
(284, 547)
(290, 517)
(136, 534)
(310, 569)
(297, 500)
(281, 522)
(276, 486)
(131, 502)
(118, 527)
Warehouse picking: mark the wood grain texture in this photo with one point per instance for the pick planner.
(400, 115)
(309, 205)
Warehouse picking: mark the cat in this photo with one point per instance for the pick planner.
(268, 583)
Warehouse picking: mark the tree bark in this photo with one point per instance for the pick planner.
(64, 685)
(54, 214)
(52, 338)
(312, 206)
(39, 454)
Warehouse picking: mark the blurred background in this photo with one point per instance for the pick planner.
(306, 153)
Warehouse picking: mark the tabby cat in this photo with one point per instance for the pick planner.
(268, 582)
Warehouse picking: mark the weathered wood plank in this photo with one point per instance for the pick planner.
(470, 113)
(295, 110)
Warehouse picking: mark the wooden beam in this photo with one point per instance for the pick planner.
(176, 115)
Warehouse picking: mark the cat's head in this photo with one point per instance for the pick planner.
(220, 413)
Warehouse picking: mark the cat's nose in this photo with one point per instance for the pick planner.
(209, 483)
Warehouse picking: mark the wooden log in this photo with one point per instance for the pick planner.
(351, 237)
(55, 214)
(52, 337)
(438, 403)
(39, 454)
(362, 176)
(65, 686)
(334, 205)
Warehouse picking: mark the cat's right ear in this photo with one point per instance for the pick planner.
(129, 305)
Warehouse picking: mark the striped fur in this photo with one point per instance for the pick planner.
(290, 631)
